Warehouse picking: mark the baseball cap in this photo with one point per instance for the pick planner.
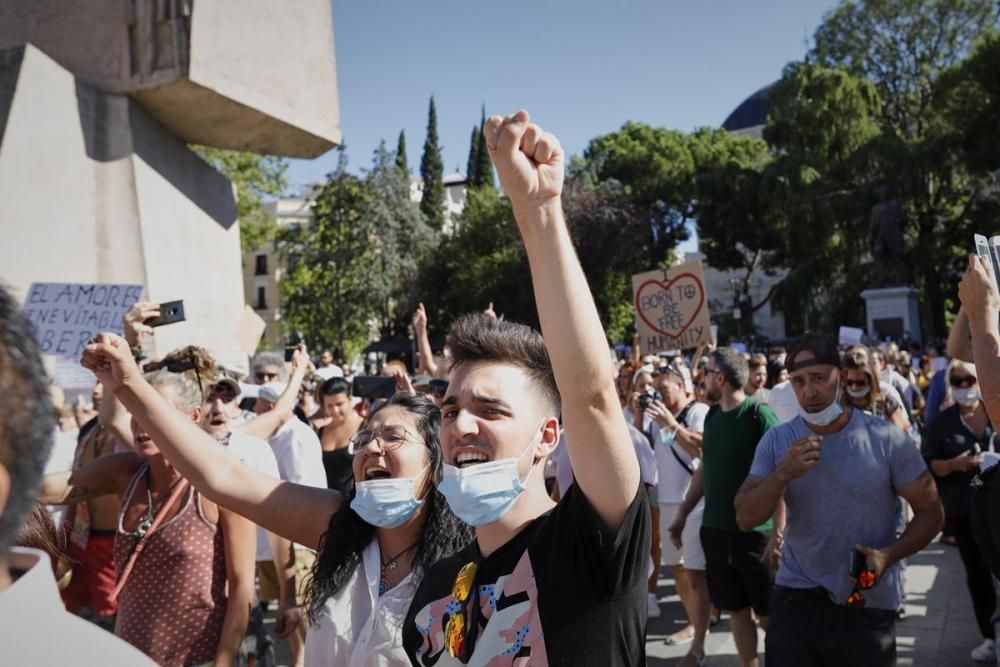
(271, 391)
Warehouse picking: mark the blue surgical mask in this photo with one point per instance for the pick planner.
(482, 493)
(386, 503)
(827, 415)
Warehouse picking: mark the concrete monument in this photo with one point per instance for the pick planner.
(98, 100)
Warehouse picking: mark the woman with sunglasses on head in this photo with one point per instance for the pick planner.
(864, 391)
(373, 544)
(953, 451)
(184, 566)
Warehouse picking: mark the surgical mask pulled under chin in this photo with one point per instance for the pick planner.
(966, 397)
(827, 415)
(860, 393)
(387, 503)
(482, 493)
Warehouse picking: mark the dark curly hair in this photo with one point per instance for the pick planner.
(348, 534)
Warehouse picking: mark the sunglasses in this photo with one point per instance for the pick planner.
(864, 579)
(856, 383)
(962, 381)
(460, 632)
(184, 365)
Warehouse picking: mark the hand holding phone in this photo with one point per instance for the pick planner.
(171, 312)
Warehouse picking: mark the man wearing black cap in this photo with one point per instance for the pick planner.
(839, 471)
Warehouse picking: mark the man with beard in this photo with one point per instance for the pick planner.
(736, 560)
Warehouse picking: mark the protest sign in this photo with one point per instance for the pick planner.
(671, 308)
(67, 315)
(850, 336)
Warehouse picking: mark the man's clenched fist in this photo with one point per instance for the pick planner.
(530, 162)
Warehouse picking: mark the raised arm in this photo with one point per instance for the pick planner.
(530, 164)
(427, 364)
(981, 303)
(297, 512)
(102, 477)
(263, 425)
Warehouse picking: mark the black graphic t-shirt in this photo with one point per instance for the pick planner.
(564, 591)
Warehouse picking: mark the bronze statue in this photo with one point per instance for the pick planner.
(888, 224)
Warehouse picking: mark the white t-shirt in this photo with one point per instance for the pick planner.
(674, 479)
(41, 632)
(255, 453)
(783, 402)
(643, 452)
(359, 628)
(299, 455)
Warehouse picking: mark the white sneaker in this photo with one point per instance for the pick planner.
(652, 606)
(985, 652)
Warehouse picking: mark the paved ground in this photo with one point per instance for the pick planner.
(938, 631)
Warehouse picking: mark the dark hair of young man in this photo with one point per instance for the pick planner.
(732, 365)
(25, 421)
(478, 337)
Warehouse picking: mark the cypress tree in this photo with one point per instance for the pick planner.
(401, 153)
(470, 170)
(484, 166)
(431, 171)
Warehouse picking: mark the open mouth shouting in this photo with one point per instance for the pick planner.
(376, 471)
(468, 456)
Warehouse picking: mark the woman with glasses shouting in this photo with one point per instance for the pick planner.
(864, 391)
(373, 544)
(954, 450)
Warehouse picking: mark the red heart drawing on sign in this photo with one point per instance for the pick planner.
(665, 288)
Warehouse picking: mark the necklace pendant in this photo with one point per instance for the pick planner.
(144, 525)
(391, 565)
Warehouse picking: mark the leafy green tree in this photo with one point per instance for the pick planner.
(326, 290)
(256, 177)
(401, 241)
(401, 154)
(432, 172)
(902, 46)
(969, 95)
(656, 171)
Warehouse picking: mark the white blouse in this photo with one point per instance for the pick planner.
(357, 628)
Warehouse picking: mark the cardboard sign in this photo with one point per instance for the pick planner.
(249, 329)
(67, 315)
(671, 308)
(850, 336)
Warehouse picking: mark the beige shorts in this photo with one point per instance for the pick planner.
(268, 576)
(690, 555)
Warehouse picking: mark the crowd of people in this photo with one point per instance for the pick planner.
(510, 503)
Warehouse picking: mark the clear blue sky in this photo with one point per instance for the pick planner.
(582, 67)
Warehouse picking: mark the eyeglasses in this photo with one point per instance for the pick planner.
(856, 383)
(182, 365)
(460, 634)
(962, 381)
(390, 438)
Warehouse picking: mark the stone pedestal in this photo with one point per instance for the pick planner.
(892, 312)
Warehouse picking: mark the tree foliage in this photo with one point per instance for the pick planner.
(401, 160)
(432, 173)
(256, 177)
(325, 292)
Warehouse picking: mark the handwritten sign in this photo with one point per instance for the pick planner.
(67, 315)
(848, 336)
(672, 308)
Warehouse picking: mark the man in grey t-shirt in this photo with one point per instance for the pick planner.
(839, 471)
